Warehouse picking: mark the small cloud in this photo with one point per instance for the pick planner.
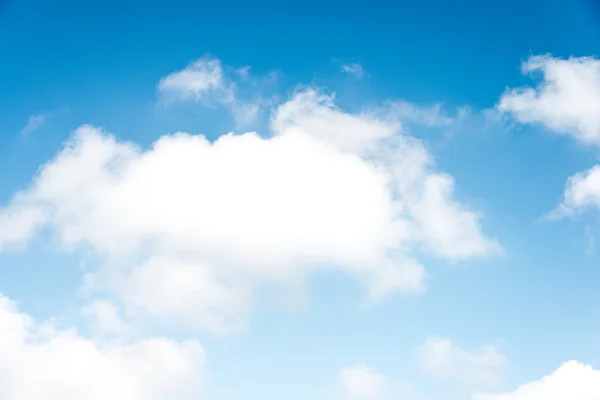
(200, 79)
(565, 100)
(206, 80)
(34, 123)
(361, 382)
(581, 192)
(444, 359)
(354, 69)
(431, 116)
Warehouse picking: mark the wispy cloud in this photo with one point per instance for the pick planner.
(354, 69)
(444, 359)
(34, 123)
(206, 80)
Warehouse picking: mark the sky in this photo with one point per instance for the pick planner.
(318, 200)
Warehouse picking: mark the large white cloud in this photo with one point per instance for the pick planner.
(41, 362)
(443, 358)
(566, 99)
(572, 381)
(188, 229)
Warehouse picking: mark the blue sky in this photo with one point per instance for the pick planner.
(384, 235)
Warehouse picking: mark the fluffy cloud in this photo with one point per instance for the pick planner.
(40, 362)
(572, 381)
(566, 100)
(582, 191)
(189, 230)
(361, 382)
(443, 359)
(205, 80)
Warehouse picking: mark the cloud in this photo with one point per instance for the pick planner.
(361, 382)
(443, 359)
(34, 123)
(582, 191)
(566, 100)
(206, 80)
(432, 116)
(40, 362)
(572, 381)
(106, 316)
(354, 69)
(188, 230)
(200, 79)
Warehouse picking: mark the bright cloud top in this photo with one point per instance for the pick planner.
(567, 100)
(572, 381)
(189, 230)
(443, 359)
(39, 362)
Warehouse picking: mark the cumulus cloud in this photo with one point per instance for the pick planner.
(565, 100)
(353, 69)
(40, 362)
(582, 191)
(361, 382)
(188, 230)
(572, 381)
(206, 80)
(444, 359)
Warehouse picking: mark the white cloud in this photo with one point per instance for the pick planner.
(572, 381)
(581, 192)
(106, 316)
(566, 100)
(34, 123)
(206, 80)
(199, 79)
(353, 69)
(19, 222)
(443, 359)
(189, 230)
(361, 382)
(40, 362)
